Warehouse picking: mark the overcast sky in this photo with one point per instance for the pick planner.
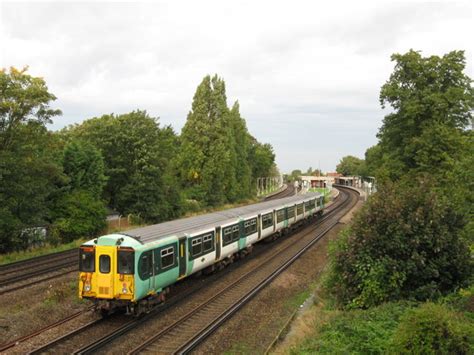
(307, 74)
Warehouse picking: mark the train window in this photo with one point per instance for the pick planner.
(126, 261)
(247, 228)
(291, 212)
(145, 265)
(313, 203)
(104, 264)
(235, 232)
(267, 220)
(307, 206)
(280, 215)
(299, 209)
(86, 259)
(251, 226)
(196, 246)
(207, 242)
(227, 235)
(167, 257)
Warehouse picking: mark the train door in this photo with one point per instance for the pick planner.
(259, 225)
(105, 277)
(218, 243)
(274, 220)
(182, 257)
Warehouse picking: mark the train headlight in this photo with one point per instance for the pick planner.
(124, 290)
(87, 287)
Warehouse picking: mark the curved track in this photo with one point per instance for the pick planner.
(289, 191)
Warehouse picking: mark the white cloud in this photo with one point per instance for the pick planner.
(307, 74)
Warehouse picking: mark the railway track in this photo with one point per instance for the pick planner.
(289, 191)
(12, 276)
(25, 338)
(192, 328)
(189, 330)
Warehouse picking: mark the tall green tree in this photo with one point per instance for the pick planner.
(138, 157)
(242, 148)
(77, 209)
(425, 93)
(208, 157)
(28, 169)
(83, 164)
(350, 166)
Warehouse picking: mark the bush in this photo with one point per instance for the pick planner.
(433, 329)
(77, 215)
(404, 244)
(354, 331)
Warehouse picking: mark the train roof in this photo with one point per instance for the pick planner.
(191, 225)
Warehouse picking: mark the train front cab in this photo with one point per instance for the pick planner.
(106, 274)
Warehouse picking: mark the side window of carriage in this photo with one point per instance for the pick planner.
(267, 220)
(207, 243)
(167, 257)
(280, 215)
(145, 265)
(227, 235)
(299, 209)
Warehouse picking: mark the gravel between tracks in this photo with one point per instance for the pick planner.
(29, 309)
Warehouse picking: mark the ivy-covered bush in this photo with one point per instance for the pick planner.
(404, 244)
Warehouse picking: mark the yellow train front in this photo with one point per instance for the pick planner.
(117, 271)
(107, 272)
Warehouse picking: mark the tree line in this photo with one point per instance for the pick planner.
(67, 180)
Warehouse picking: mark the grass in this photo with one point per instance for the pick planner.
(325, 330)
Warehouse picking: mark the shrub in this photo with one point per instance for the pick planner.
(404, 244)
(433, 329)
(78, 214)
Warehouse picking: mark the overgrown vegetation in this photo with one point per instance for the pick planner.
(393, 328)
(55, 186)
(400, 277)
(411, 239)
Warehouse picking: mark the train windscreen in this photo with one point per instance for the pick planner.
(86, 259)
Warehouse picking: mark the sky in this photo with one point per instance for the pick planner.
(307, 74)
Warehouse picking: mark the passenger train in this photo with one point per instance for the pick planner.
(134, 269)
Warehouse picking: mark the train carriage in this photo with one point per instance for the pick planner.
(133, 269)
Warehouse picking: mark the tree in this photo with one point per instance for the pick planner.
(242, 152)
(424, 93)
(138, 157)
(350, 166)
(29, 172)
(78, 214)
(206, 145)
(84, 165)
(23, 99)
(77, 208)
(262, 158)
